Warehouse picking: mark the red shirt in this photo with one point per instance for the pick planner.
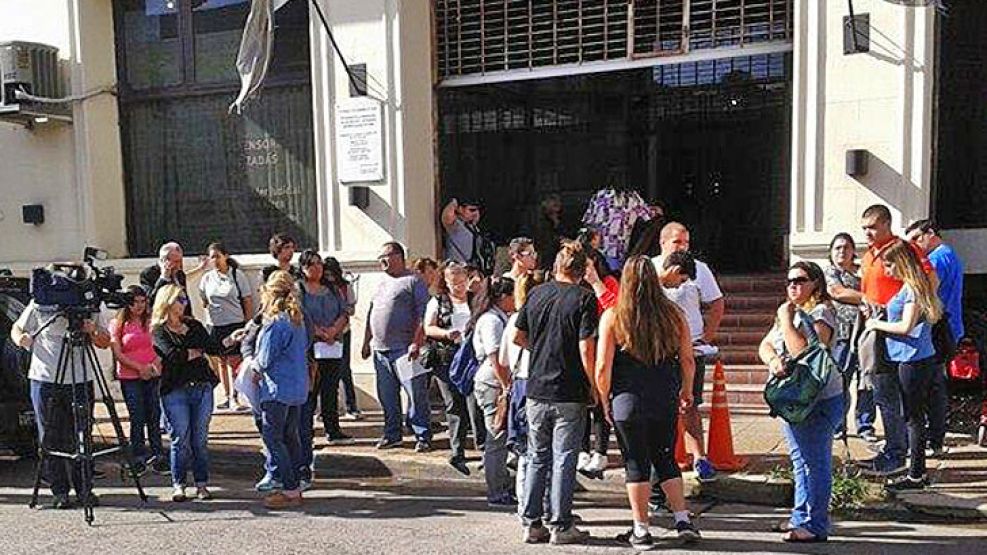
(876, 286)
(609, 297)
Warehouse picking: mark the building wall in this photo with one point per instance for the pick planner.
(73, 170)
(880, 101)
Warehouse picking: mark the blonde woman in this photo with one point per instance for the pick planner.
(282, 348)
(911, 314)
(810, 442)
(644, 373)
(187, 383)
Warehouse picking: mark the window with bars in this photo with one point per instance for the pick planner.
(487, 36)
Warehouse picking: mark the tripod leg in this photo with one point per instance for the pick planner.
(122, 443)
(37, 478)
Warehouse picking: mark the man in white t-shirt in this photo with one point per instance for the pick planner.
(691, 295)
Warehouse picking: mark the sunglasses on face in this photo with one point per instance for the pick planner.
(802, 280)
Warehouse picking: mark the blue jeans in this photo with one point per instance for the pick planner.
(389, 387)
(52, 414)
(810, 446)
(144, 406)
(280, 435)
(306, 435)
(887, 397)
(555, 433)
(189, 411)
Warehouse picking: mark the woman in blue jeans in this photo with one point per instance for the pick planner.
(810, 442)
(187, 383)
(282, 360)
(911, 314)
(139, 371)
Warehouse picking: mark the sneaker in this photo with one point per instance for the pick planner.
(338, 438)
(268, 484)
(582, 461)
(304, 484)
(687, 531)
(882, 466)
(937, 452)
(178, 494)
(225, 405)
(279, 501)
(352, 416)
(641, 543)
(570, 535)
(868, 435)
(62, 502)
(202, 493)
(240, 408)
(161, 466)
(505, 500)
(536, 533)
(459, 463)
(423, 446)
(705, 470)
(908, 484)
(384, 443)
(597, 463)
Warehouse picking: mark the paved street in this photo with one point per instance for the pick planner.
(388, 516)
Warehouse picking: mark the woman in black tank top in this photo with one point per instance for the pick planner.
(644, 374)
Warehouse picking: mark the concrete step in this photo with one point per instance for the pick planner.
(740, 337)
(739, 355)
(753, 303)
(747, 283)
(747, 321)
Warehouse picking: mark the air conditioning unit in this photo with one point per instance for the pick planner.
(29, 66)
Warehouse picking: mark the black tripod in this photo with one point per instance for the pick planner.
(76, 349)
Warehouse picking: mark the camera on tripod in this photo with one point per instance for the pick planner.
(80, 288)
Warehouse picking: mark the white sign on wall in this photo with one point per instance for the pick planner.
(359, 140)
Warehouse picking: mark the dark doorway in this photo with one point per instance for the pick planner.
(709, 140)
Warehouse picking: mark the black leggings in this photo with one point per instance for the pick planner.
(600, 429)
(647, 443)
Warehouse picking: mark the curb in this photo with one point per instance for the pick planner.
(754, 489)
(941, 505)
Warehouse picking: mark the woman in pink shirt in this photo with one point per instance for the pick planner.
(138, 369)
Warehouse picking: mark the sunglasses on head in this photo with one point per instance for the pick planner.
(801, 280)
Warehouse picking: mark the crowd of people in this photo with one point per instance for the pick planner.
(539, 366)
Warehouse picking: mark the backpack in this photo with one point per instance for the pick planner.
(464, 365)
(794, 395)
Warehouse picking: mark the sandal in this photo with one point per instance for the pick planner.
(782, 526)
(801, 535)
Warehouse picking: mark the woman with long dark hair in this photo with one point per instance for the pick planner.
(139, 372)
(346, 290)
(806, 312)
(644, 373)
(492, 382)
(911, 314)
(228, 299)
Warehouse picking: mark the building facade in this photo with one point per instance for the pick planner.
(736, 114)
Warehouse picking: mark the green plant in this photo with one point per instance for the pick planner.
(780, 472)
(849, 490)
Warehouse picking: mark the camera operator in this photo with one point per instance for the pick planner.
(41, 330)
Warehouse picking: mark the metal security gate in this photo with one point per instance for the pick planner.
(498, 37)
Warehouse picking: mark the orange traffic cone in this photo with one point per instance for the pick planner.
(721, 453)
(681, 456)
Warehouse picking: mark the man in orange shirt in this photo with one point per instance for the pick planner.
(878, 288)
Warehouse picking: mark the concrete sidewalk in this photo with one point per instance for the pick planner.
(959, 481)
